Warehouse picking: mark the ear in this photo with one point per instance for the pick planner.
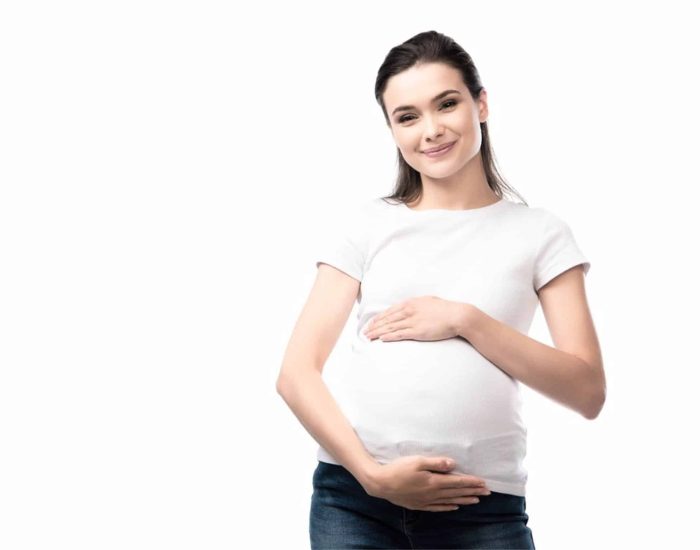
(483, 106)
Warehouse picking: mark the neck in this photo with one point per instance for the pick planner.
(465, 189)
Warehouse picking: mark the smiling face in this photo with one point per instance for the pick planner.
(428, 106)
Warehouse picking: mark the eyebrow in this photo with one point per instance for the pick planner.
(436, 98)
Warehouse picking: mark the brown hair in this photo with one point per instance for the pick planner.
(430, 47)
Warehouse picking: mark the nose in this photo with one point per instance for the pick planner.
(433, 129)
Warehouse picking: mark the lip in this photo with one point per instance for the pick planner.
(439, 150)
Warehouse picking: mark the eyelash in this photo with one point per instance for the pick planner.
(403, 118)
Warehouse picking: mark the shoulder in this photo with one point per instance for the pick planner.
(543, 218)
(524, 216)
(537, 224)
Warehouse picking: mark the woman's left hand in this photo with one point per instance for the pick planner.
(422, 318)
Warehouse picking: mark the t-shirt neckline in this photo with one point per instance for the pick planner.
(448, 212)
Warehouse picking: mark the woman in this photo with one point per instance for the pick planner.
(423, 445)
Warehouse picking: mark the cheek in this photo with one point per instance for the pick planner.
(411, 144)
(411, 156)
(407, 142)
(471, 139)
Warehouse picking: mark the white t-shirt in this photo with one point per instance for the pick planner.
(443, 398)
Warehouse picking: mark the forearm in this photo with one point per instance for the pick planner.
(561, 376)
(313, 404)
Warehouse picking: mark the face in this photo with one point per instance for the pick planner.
(422, 117)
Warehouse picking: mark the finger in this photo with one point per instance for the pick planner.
(396, 329)
(389, 316)
(463, 492)
(378, 319)
(383, 332)
(453, 481)
(440, 508)
(390, 336)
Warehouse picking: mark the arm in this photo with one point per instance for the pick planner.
(570, 373)
(300, 381)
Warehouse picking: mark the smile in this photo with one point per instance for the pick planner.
(440, 152)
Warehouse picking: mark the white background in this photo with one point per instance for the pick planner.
(168, 171)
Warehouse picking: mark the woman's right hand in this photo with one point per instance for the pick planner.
(416, 482)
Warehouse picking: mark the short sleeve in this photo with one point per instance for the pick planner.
(344, 243)
(557, 251)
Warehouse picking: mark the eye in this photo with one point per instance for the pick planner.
(449, 103)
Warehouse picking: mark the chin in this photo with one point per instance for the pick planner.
(447, 169)
(442, 174)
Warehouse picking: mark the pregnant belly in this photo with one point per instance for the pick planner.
(427, 395)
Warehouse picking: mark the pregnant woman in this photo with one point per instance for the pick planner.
(422, 445)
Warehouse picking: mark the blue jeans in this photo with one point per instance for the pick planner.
(343, 515)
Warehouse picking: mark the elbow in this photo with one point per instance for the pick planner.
(281, 384)
(594, 406)
(591, 414)
(290, 379)
(595, 393)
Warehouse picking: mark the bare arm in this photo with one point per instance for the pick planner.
(570, 373)
(300, 382)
